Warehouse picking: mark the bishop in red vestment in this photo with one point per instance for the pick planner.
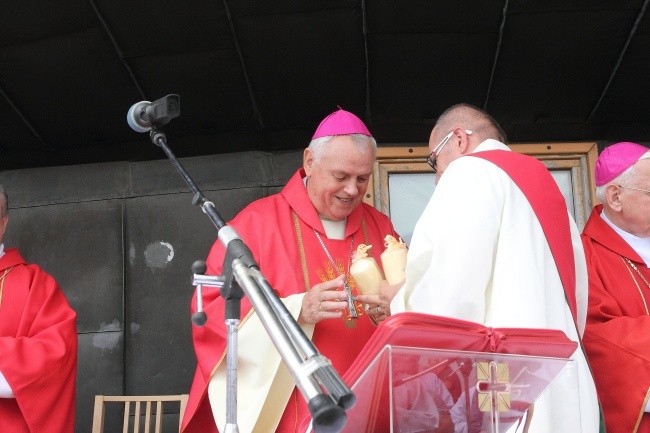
(287, 235)
(38, 350)
(617, 335)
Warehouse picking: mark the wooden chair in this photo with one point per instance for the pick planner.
(137, 401)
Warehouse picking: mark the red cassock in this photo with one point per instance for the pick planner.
(617, 336)
(275, 228)
(38, 350)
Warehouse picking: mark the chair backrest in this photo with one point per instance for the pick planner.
(138, 401)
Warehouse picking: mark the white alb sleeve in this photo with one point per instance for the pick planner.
(5, 389)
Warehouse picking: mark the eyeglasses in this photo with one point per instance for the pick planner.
(436, 150)
(645, 191)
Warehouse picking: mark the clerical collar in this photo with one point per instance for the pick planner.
(640, 245)
(2, 250)
(490, 144)
(333, 229)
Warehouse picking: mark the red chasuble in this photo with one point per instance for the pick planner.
(38, 350)
(274, 228)
(617, 336)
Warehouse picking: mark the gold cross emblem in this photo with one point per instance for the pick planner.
(493, 386)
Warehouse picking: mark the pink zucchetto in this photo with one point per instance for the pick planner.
(615, 159)
(341, 122)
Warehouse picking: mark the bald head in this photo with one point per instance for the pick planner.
(482, 125)
(459, 131)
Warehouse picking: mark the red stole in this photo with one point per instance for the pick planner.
(544, 196)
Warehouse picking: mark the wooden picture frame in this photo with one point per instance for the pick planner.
(571, 164)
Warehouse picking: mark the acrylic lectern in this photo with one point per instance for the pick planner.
(412, 390)
(423, 373)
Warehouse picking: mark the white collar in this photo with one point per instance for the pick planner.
(490, 144)
(2, 250)
(334, 229)
(640, 245)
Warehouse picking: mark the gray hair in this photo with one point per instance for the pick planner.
(473, 118)
(4, 198)
(628, 177)
(361, 141)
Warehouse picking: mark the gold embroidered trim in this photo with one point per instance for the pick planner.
(365, 231)
(629, 264)
(2, 283)
(638, 420)
(295, 407)
(301, 248)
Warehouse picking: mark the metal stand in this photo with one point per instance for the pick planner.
(311, 371)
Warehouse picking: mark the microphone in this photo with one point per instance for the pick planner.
(144, 115)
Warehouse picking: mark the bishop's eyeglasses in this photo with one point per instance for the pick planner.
(645, 191)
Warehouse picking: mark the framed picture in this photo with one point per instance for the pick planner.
(402, 181)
